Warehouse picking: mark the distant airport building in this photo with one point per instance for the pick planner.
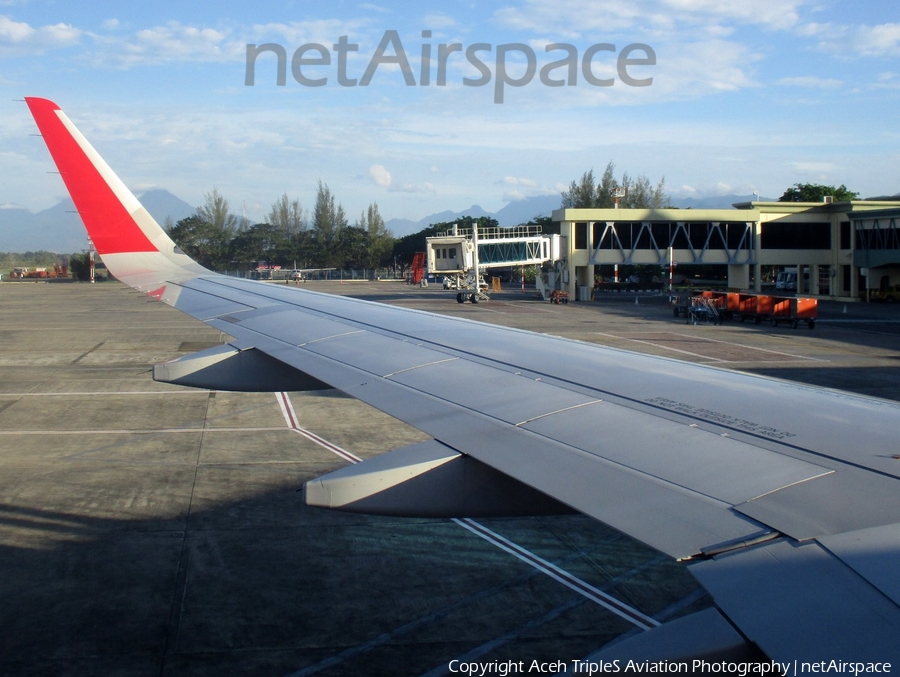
(839, 249)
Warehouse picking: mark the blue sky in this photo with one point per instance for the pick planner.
(745, 96)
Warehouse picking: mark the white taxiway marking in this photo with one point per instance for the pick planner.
(803, 358)
(664, 347)
(764, 350)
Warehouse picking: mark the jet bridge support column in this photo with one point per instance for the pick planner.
(584, 277)
(738, 276)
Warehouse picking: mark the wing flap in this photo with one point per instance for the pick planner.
(800, 602)
(848, 500)
(872, 553)
(687, 455)
(704, 635)
(510, 397)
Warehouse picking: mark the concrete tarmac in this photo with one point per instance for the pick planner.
(147, 529)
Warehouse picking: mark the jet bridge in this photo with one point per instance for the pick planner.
(459, 253)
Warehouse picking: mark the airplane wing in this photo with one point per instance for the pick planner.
(783, 499)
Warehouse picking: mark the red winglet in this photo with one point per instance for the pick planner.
(88, 179)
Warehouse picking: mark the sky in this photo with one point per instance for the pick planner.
(715, 96)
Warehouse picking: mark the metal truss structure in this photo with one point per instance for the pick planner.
(734, 238)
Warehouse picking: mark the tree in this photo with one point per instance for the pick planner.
(287, 215)
(639, 194)
(206, 235)
(380, 241)
(606, 191)
(80, 266)
(260, 242)
(328, 221)
(581, 194)
(216, 213)
(815, 192)
(203, 241)
(353, 246)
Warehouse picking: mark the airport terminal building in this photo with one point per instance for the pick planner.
(839, 249)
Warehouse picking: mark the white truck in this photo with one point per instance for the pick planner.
(786, 280)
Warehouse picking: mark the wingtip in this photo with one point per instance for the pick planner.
(39, 103)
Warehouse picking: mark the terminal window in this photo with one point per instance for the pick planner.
(796, 235)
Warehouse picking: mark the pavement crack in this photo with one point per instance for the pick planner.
(83, 355)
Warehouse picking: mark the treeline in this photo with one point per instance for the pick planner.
(219, 239)
(634, 192)
(38, 259)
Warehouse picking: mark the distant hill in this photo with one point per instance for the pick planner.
(163, 205)
(513, 214)
(59, 229)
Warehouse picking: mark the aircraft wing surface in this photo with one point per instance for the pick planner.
(783, 499)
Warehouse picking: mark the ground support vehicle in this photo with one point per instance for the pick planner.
(709, 306)
(887, 295)
(703, 311)
(793, 310)
(557, 296)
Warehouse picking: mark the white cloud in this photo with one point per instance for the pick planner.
(413, 188)
(18, 38)
(171, 42)
(819, 167)
(583, 18)
(887, 81)
(814, 28)
(515, 181)
(438, 21)
(882, 40)
(513, 196)
(776, 14)
(811, 82)
(694, 70)
(722, 188)
(380, 175)
(374, 8)
(179, 42)
(295, 33)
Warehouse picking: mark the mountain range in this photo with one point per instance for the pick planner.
(58, 229)
(514, 213)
